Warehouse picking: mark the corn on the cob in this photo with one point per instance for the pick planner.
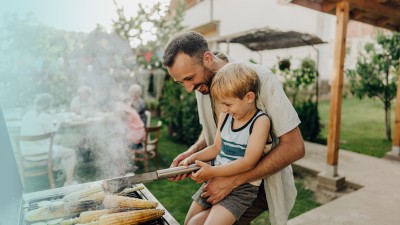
(90, 216)
(114, 201)
(60, 211)
(131, 217)
(71, 221)
(75, 196)
(126, 191)
(96, 222)
(98, 196)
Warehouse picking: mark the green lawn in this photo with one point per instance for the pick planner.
(362, 127)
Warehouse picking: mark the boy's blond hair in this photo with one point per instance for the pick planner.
(235, 80)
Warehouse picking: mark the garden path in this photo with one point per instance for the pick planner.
(377, 202)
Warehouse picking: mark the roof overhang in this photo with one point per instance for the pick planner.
(380, 13)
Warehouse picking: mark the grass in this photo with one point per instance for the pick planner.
(362, 126)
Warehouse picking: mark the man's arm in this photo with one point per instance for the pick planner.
(289, 149)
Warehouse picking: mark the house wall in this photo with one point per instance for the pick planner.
(242, 15)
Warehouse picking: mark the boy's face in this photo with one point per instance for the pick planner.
(190, 74)
(236, 107)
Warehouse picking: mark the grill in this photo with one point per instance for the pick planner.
(14, 205)
(31, 201)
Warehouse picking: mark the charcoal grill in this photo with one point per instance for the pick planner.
(14, 205)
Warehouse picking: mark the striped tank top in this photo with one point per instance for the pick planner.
(234, 141)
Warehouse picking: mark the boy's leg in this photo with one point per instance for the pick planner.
(259, 206)
(194, 209)
(199, 218)
(219, 215)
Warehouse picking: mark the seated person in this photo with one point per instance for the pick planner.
(135, 125)
(37, 122)
(83, 103)
(136, 101)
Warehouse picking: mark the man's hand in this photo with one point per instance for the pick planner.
(205, 173)
(218, 188)
(178, 161)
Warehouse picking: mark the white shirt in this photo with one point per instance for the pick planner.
(34, 123)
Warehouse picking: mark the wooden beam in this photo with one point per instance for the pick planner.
(378, 9)
(342, 19)
(356, 14)
(379, 1)
(308, 4)
(327, 6)
(383, 22)
(396, 134)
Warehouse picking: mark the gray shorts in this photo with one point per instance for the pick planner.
(237, 202)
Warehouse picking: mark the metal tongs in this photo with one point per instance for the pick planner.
(116, 185)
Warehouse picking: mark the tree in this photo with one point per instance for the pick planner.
(33, 61)
(375, 75)
(149, 31)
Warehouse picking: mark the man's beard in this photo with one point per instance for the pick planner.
(204, 88)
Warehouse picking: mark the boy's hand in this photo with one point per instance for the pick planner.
(178, 161)
(186, 162)
(205, 173)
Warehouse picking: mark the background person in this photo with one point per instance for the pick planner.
(136, 101)
(83, 103)
(135, 127)
(37, 122)
(191, 64)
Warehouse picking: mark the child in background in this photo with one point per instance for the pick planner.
(243, 132)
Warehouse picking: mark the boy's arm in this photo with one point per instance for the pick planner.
(253, 153)
(206, 154)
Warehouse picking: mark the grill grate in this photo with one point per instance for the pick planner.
(32, 205)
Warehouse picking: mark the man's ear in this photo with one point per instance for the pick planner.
(208, 59)
(250, 96)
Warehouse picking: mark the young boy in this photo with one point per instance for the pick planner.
(243, 132)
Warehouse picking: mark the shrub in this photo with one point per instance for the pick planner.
(179, 112)
(310, 126)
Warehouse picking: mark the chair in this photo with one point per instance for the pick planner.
(148, 118)
(35, 164)
(150, 145)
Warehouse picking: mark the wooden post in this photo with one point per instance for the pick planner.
(342, 17)
(396, 134)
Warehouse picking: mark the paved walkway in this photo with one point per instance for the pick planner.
(376, 203)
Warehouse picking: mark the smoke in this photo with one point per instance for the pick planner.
(59, 63)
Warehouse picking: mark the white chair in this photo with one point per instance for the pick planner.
(148, 118)
(36, 164)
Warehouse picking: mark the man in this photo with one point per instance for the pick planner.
(191, 64)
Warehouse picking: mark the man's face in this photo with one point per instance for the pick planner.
(191, 73)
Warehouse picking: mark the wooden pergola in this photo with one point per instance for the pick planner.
(380, 13)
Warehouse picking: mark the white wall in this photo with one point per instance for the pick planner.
(242, 15)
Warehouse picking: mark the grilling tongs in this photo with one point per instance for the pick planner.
(116, 185)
